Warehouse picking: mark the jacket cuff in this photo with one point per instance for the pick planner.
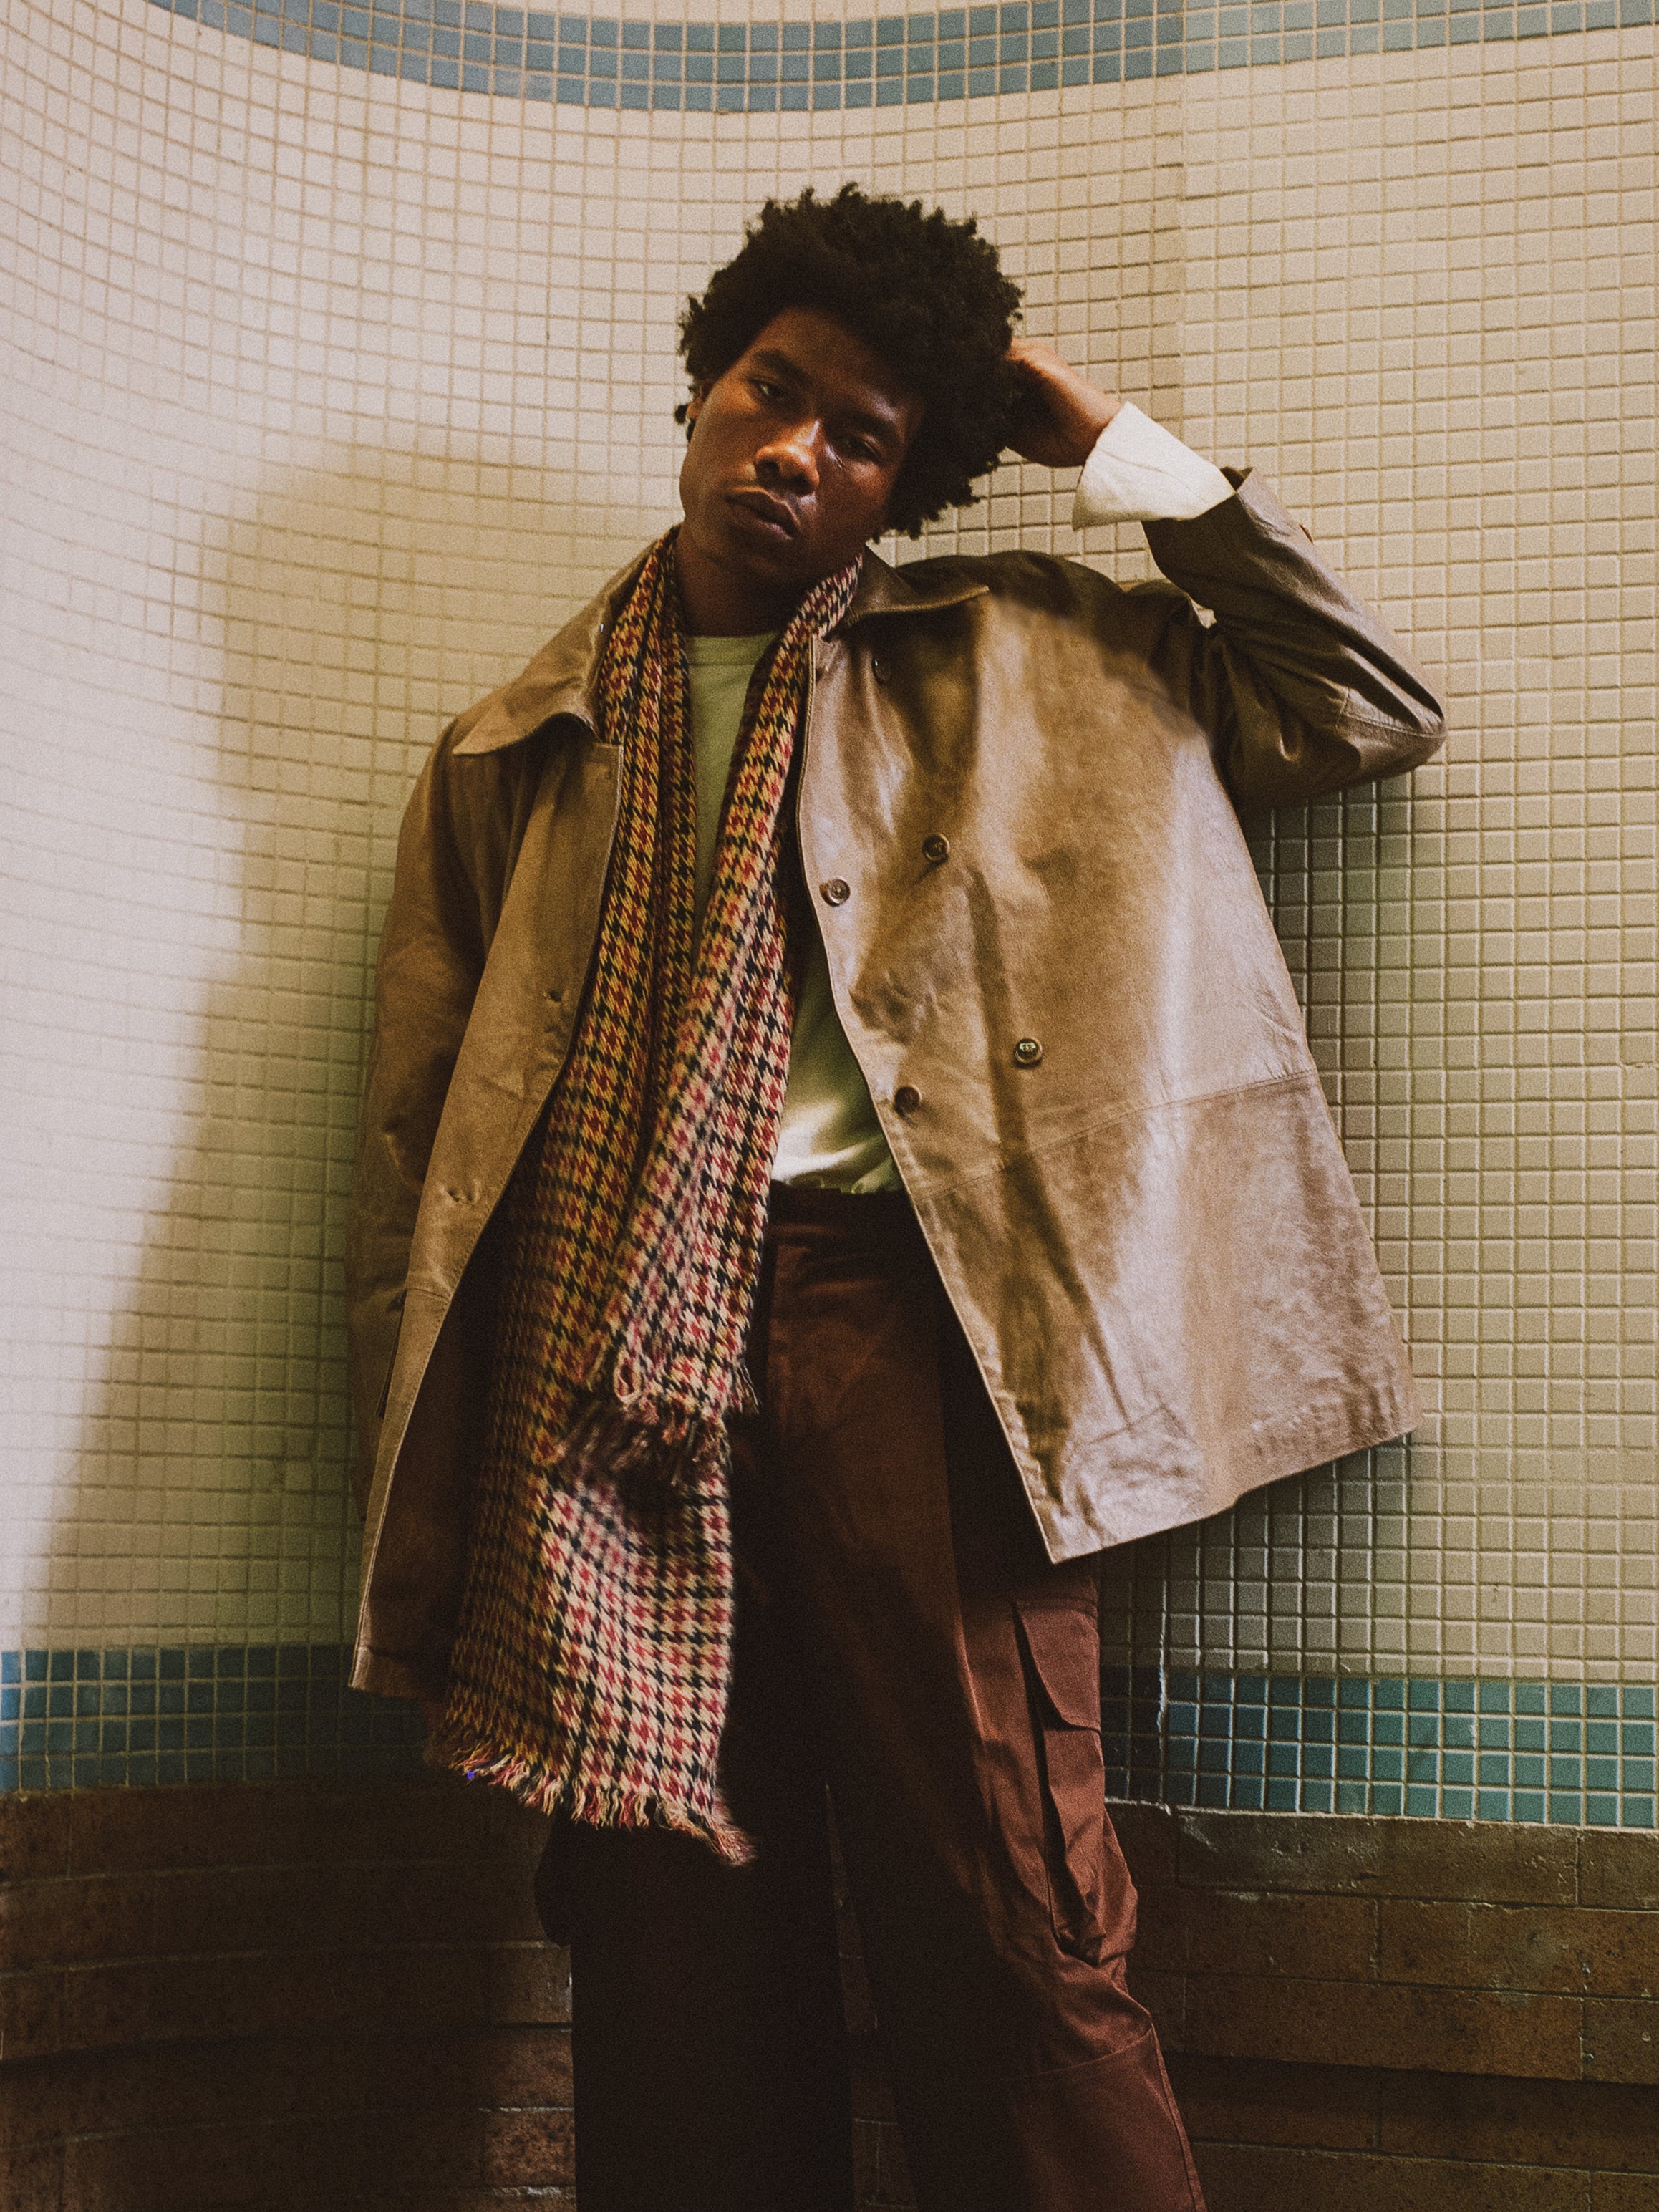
(1209, 539)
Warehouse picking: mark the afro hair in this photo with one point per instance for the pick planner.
(924, 294)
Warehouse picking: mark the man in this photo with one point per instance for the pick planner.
(841, 1150)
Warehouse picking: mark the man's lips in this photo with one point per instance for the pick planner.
(765, 506)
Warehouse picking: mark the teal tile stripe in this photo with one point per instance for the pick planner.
(1485, 1750)
(879, 61)
(1455, 1750)
(87, 1719)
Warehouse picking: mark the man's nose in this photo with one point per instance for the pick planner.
(792, 455)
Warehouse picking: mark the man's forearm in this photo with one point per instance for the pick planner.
(1306, 689)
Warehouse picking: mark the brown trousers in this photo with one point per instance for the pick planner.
(902, 1637)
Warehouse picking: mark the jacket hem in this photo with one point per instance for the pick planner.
(1292, 1449)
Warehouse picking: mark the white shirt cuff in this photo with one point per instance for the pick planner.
(1140, 472)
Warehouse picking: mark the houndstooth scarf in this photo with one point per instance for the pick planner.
(590, 1670)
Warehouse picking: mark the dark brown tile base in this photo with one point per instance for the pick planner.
(302, 1998)
(317, 1997)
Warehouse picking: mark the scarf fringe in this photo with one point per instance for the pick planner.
(456, 1747)
(609, 1444)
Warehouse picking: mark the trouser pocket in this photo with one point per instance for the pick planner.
(1061, 1651)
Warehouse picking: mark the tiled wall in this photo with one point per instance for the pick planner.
(1530, 1750)
(886, 61)
(332, 388)
(134, 1717)
(288, 1998)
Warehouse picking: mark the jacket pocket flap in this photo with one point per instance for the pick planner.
(1065, 1656)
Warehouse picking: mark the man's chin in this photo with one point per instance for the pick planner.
(751, 547)
(782, 567)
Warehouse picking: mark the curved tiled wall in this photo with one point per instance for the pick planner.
(886, 60)
(333, 388)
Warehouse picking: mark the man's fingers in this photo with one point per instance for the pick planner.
(1032, 354)
(1058, 414)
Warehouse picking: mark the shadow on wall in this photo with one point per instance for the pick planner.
(343, 615)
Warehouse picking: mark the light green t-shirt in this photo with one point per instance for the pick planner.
(829, 1136)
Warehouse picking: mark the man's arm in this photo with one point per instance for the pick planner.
(1303, 690)
(432, 954)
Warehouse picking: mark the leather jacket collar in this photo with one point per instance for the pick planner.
(561, 681)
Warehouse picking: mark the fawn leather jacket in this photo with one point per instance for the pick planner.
(1016, 808)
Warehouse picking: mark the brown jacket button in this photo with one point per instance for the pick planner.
(936, 848)
(836, 892)
(1027, 1052)
(906, 1098)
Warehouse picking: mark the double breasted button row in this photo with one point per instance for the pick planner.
(836, 891)
(1027, 1052)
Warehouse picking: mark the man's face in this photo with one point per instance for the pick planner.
(790, 469)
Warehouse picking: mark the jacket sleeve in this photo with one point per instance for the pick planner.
(1303, 690)
(431, 957)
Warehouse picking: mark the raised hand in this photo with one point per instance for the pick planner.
(1060, 414)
